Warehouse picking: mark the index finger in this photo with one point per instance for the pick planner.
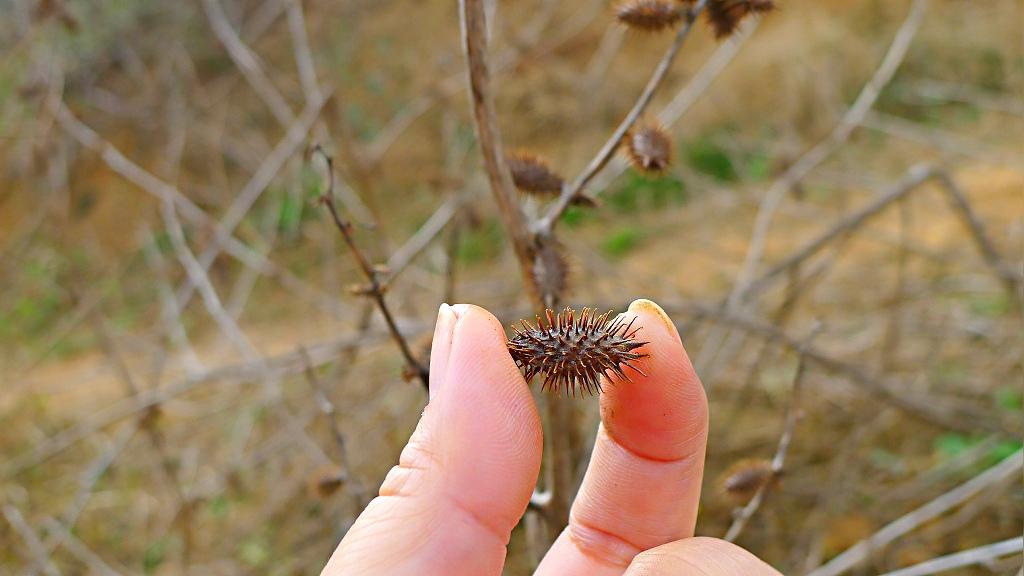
(642, 486)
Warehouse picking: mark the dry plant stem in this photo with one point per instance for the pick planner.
(474, 36)
(152, 185)
(375, 288)
(571, 191)
(247, 62)
(778, 461)
(80, 551)
(972, 557)
(943, 413)
(863, 550)
(198, 277)
(1013, 280)
(33, 545)
(303, 53)
(271, 367)
(330, 413)
(894, 324)
(914, 178)
(268, 170)
(453, 84)
(943, 140)
(92, 475)
(685, 98)
(824, 149)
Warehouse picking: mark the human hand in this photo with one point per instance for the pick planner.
(467, 474)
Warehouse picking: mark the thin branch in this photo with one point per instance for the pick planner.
(943, 413)
(972, 557)
(278, 366)
(374, 288)
(32, 543)
(269, 167)
(197, 276)
(792, 417)
(686, 97)
(958, 200)
(247, 62)
(824, 149)
(474, 38)
(330, 412)
(912, 180)
(571, 191)
(156, 187)
(303, 54)
(863, 550)
(79, 550)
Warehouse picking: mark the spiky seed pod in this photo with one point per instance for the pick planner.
(744, 478)
(551, 269)
(649, 15)
(649, 148)
(725, 15)
(533, 174)
(573, 352)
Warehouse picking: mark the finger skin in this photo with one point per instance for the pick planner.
(699, 557)
(642, 486)
(465, 478)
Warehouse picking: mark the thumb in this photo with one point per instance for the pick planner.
(466, 475)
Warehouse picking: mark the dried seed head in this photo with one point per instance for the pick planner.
(551, 269)
(532, 174)
(574, 352)
(326, 481)
(649, 15)
(725, 15)
(744, 478)
(649, 148)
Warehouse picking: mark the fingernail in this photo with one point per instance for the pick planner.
(644, 305)
(441, 348)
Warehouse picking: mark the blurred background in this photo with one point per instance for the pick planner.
(188, 384)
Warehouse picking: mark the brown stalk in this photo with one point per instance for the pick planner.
(474, 37)
(374, 288)
(545, 226)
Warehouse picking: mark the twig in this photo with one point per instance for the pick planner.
(958, 200)
(169, 309)
(79, 550)
(247, 62)
(271, 367)
(35, 547)
(571, 191)
(330, 412)
(156, 187)
(96, 469)
(914, 178)
(741, 519)
(947, 414)
(949, 142)
(268, 169)
(820, 152)
(375, 288)
(474, 39)
(418, 242)
(686, 97)
(863, 550)
(303, 54)
(974, 556)
(931, 90)
(198, 277)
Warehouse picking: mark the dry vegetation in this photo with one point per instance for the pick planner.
(846, 194)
